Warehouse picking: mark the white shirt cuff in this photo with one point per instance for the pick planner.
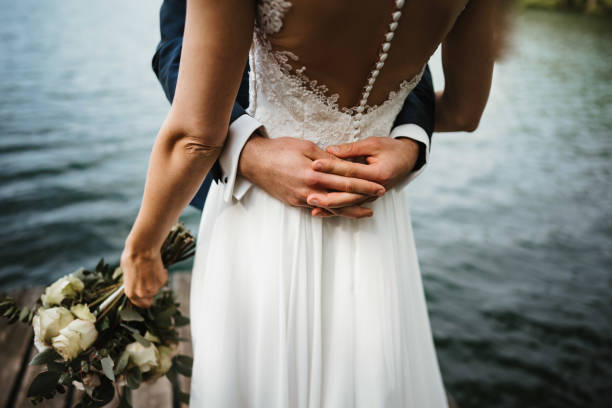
(417, 133)
(240, 131)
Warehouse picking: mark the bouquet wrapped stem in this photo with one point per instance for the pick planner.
(91, 337)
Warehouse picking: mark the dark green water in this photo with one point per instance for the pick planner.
(513, 223)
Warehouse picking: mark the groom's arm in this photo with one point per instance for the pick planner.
(165, 64)
(416, 121)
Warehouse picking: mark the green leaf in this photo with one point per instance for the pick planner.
(131, 329)
(8, 311)
(43, 384)
(54, 366)
(180, 320)
(123, 362)
(125, 401)
(46, 356)
(107, 367)
(141, 339)
(104, 392)
(184, 365)
(105, 324)
(130, 315)
(173, 376)
(24, 314)
(134, 378)
(183, 397)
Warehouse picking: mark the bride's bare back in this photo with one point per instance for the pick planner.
(339, 42)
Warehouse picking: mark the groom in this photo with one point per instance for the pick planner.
(283, 167)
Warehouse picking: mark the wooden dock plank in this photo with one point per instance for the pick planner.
(15, 341)
(32, 371)
(155, 395)
(181, 284)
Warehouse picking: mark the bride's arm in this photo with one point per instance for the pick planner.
(216, 41)
(468, 55)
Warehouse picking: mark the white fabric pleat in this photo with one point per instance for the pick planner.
(294, 311)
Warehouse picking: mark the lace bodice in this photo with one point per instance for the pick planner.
(290, 103)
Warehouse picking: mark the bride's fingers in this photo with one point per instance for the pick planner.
(321, 212)
(353, 212)
(336, 199)
(346, 168)
(329, 181)
(143, 302)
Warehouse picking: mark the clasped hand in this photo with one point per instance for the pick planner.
(301, 174)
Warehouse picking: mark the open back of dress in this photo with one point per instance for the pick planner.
(330, 70)
(294, 311)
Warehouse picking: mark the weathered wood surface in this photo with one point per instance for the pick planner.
(17, 350)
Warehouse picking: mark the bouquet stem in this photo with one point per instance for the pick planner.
(109, 302)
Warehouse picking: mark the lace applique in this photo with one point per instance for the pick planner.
(270, 14)
(288, 103)
(299, 79)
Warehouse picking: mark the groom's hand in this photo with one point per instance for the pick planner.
(388, 161)
(283, 168)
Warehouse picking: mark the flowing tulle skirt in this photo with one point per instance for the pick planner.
(294, 311)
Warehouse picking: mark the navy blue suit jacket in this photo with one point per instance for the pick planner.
(419, 107)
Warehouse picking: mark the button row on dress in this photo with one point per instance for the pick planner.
(386, 45)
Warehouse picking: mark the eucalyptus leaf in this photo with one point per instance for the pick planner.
(46, 356)
(131, 329)
(184, 365)
(8, 311)
(54, 366)
(130, 315)
(43, 384)
(105, 323)
(134, 378)
(180, 320)
(172, 375)
(103, 393)
(125, 401)
(123, 362)
(107, 367)
(183, 397)
(141, 339)
(24, 314)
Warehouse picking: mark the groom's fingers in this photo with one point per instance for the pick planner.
(365, 147)
(346, 168)
(336, 199)
(329, 181)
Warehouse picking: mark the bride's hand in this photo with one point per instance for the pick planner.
(388, 161)
(143, 275)
(283, 168)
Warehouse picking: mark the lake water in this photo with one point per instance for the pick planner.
(513, 223)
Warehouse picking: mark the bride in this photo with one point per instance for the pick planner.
(295, 307)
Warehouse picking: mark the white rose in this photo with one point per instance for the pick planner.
(82, 312)
(145, 358)
(151, 337)
(165, 359)
(78, 336)
(65, 287)
(48, 323)
(40, 346)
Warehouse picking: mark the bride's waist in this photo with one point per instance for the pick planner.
(320, 128)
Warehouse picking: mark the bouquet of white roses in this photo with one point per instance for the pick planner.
(91, 337)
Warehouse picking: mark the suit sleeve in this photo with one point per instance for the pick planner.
(165, 64)
(416, 121)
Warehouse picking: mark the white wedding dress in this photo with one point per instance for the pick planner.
(294, 311)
